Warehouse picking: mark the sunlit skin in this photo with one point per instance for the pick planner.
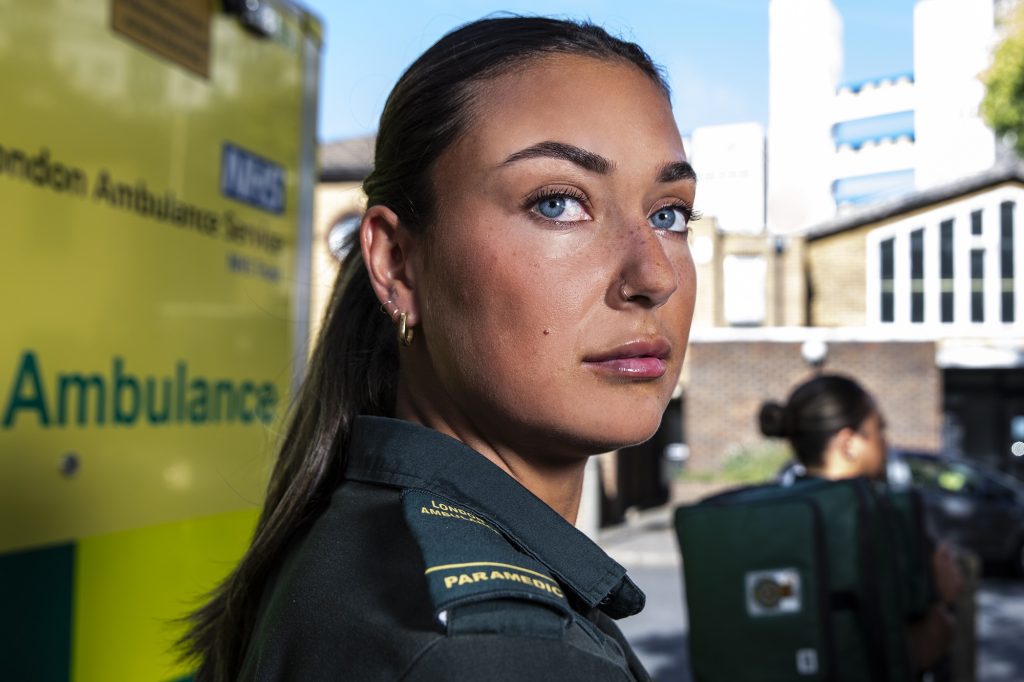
(568, 191)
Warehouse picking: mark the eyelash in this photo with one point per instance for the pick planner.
(540, 195)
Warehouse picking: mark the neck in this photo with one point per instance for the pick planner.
(557, 481)
(835, 468)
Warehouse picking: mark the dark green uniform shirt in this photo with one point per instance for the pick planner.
(432, 564)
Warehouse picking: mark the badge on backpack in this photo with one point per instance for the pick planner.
(774, 592)
(807, 661)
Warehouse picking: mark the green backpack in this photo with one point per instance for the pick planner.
(814, 581)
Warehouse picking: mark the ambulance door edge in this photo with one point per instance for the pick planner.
(307, 184)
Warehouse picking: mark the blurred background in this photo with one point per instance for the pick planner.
(178, 178)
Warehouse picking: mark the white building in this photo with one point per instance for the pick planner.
(731, 163)
(953, 43)
(886, 136)
(805, 60)
(875, 146)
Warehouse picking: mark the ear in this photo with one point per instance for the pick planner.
(843, 443)
(846, 444)
(387, 251)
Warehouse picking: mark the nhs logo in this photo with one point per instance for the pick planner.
(251, 179)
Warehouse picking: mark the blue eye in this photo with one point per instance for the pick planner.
(552, 207)
(668, 218)
(561, 208)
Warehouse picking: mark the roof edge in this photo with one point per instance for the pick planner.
(913, 201)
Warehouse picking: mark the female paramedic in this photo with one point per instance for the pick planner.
(520, 299)
(837, 431)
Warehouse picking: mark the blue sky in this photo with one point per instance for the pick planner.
(715, 51)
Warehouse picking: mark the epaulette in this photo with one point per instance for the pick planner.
(478, 581)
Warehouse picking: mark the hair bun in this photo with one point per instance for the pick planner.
(772, 419)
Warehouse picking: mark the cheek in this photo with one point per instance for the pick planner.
(493, 307)
(532, 312)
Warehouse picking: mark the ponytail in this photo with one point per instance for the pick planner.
(353, 371)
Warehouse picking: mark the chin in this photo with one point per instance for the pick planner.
(606, 435)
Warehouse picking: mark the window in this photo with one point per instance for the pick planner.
(338, 241)
(1006, 259)
(955, 263)
(887, 258)
(745, 298)
(976, 222)
(946, 270)
(917, 275)
(977, 285)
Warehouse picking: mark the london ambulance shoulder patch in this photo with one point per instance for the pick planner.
(469, 563)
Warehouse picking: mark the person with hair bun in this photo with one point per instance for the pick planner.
(834, 427)
(518, 298)
(837, 431)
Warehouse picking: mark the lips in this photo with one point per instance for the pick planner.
(640, 359)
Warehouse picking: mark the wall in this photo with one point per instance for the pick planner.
(784, 289)
(836, 269)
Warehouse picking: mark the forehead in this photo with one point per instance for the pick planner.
(609, 107)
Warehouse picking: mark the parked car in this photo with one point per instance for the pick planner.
(968, 503)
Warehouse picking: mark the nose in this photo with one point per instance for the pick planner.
(648, 274)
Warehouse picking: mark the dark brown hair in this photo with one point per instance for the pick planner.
(354, 367)
(815, 411)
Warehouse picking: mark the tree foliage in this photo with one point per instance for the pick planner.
(1003, 105)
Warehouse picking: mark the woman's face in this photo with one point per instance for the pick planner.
(872, 446)
(555, 287)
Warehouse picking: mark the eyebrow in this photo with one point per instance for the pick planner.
(676, 171)
(671, 172)
(595, 163)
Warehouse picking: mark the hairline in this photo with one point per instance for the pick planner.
(473, 88)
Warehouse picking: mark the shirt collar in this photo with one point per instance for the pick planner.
(407, 455)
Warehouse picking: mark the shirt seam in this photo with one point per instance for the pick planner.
(419, 656)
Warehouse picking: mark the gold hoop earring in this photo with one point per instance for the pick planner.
(405, 330)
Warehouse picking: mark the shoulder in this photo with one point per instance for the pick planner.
(352, 585)
(477, 580)
(358, 542)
